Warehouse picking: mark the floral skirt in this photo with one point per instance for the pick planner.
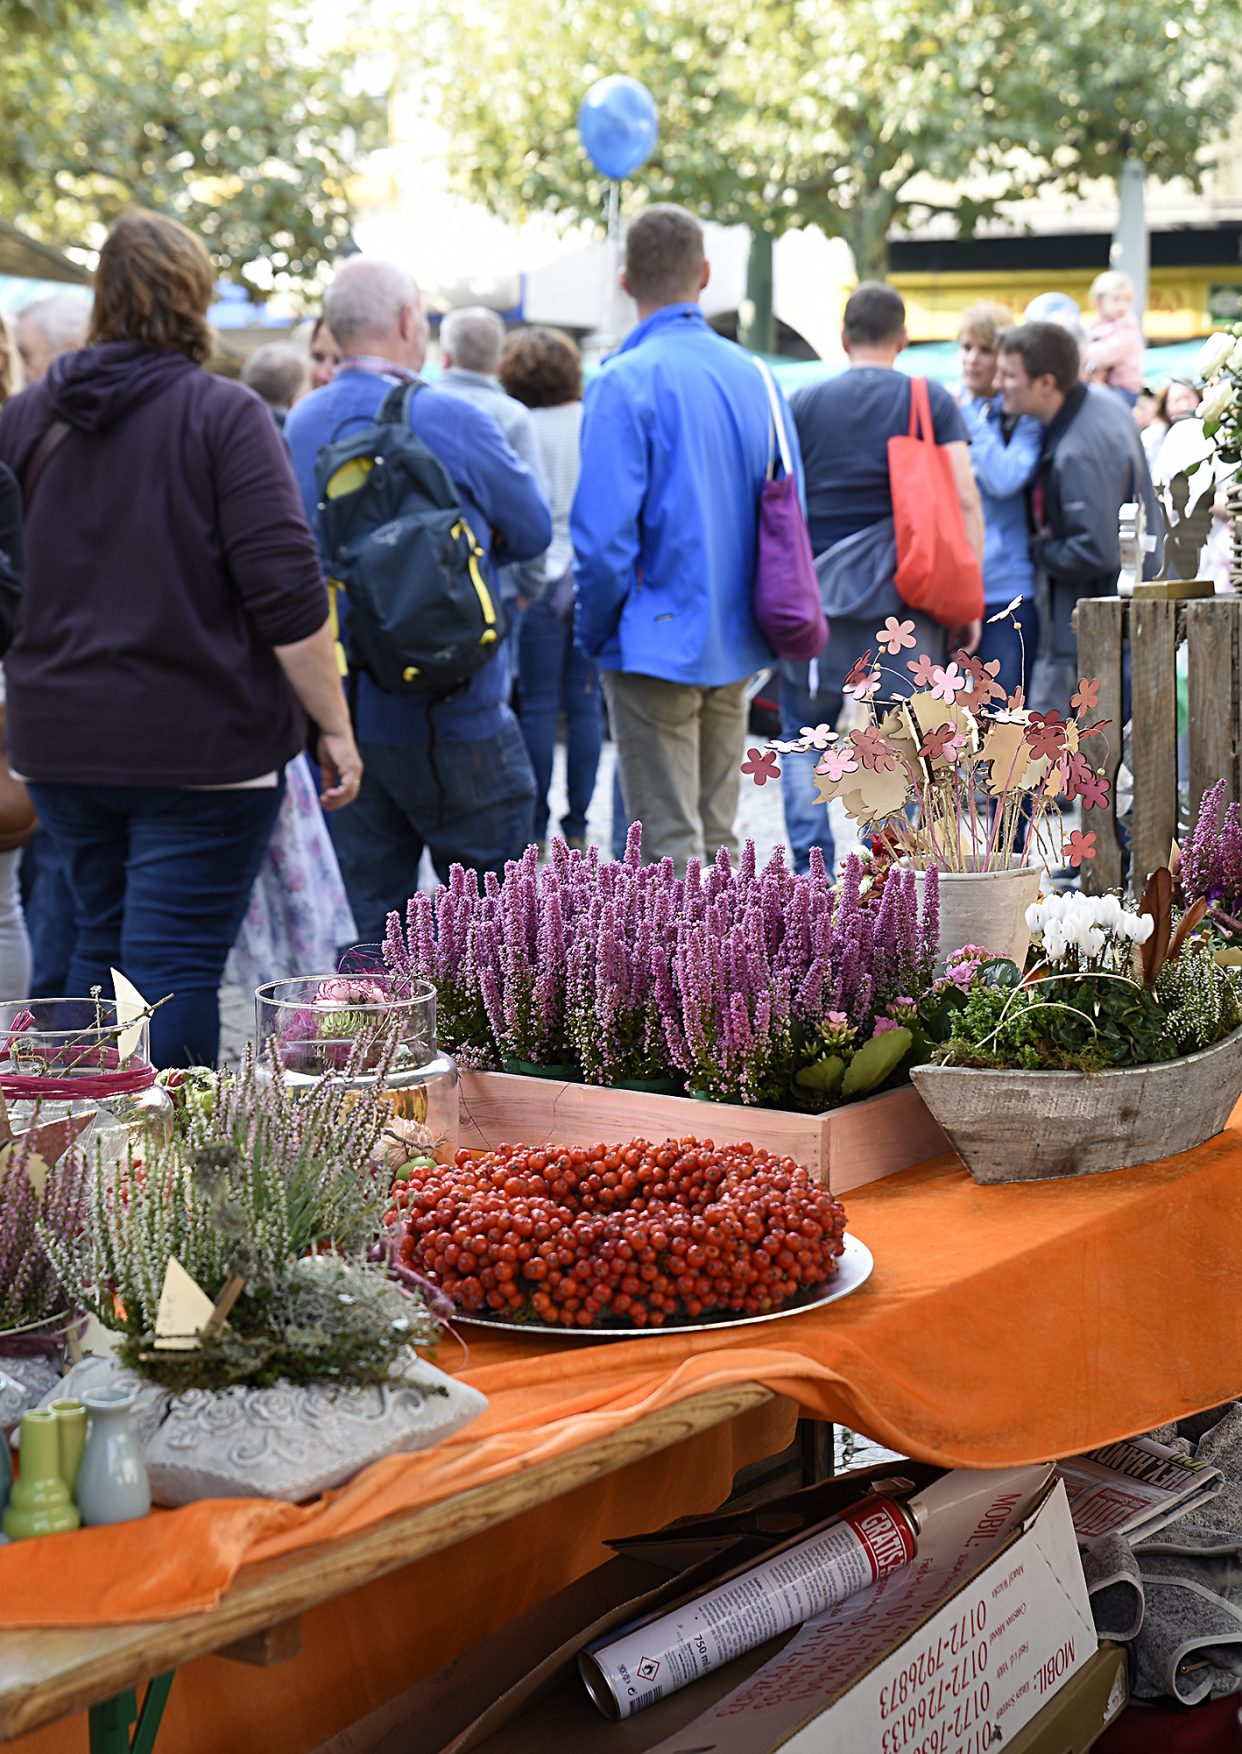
(298, 914)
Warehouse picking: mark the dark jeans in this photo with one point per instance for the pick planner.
(553, 674)
(161, 877)
(1017, 656)
(47, 902)
(467, 803)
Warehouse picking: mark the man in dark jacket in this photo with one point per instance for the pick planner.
(1092, 463)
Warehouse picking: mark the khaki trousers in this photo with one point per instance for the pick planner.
(679, 751)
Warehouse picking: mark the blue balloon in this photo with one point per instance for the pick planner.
(618, 125)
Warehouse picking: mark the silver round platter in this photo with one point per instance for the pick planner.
(854, 1268)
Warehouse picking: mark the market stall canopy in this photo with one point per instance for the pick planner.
(24, 258)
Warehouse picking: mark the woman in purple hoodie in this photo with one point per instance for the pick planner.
(173, 631)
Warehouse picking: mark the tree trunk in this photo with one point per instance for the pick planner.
(757, 327)
(866, 232)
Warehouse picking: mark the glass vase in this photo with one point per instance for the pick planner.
(68, 1057)
(357, 1030)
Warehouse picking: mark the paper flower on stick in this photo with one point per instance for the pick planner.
(817, 736)
(984, 688)
(834, 764)
(1084, 783)
(896, 636)
(1017, 700)
(948, 683)
(1004, 614)
(922, 670)
(943, 740)
(761, 766)
(1088, 696)
(873, 749)
(862, 683)
(787, 745)
(1046, 733)
(1079, 847)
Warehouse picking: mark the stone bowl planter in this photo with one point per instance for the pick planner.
(986, 907)
(1036, 1126)
(282, 1442)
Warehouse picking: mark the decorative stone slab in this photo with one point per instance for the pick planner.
(1035, 1126)
(282, 1442)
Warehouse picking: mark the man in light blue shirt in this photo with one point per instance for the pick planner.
(676, 440)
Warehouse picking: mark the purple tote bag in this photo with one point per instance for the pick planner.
(787, 600)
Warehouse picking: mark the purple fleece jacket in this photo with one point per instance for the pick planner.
(167, 553)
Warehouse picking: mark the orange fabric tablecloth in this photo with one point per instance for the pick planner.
(1001, 1326)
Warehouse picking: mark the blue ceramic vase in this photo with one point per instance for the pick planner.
(113, 1486)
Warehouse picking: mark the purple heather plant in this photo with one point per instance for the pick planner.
(1211, 861)
(30, 1288)
(625, 971)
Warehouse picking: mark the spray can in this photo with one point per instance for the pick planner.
(633, 1668)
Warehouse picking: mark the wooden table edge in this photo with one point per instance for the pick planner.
(281, 1588)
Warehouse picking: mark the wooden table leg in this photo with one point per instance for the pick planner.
(110, 1720)
(817, 1438)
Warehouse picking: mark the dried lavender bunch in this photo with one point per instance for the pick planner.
(35, 1224)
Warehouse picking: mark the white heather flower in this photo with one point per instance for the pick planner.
(1213, 354)
(1218, 399)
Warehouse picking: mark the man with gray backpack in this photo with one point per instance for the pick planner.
(414, 496)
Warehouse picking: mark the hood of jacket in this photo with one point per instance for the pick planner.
(95, 386)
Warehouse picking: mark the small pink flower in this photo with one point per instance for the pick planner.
(883, 1025)
(816, 736)
(947, 683)
(864, 685)
(350, 990)
(1079, 847)
(896, 636)
(922, 670)
(1088, 696)
(940, 742)
(834, 764)
(873, 750)
(761, 766)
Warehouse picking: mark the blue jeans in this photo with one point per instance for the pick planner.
(47, 902)
(466, 803)
(553, 674)
(1000, 640)
(160, 877)
(813, 696)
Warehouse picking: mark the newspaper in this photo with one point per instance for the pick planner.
(1134, 1488)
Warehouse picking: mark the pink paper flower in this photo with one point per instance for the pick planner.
(873, 749)
(834, 764)
(761, 766)
(864, 685)
(1088, 696)
(922, 670)
(1080, 846)
(896, 636)
(1006, 612)
(937, 742)
(1045, 734)
(947, 683)
(816, 736)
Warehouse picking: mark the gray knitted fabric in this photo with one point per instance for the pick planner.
(1179, 1595)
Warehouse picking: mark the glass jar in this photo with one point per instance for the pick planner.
(66, 1057)
(357, 1029)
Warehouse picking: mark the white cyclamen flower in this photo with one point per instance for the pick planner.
(1218, 399)
(1034, 917)
(1093, 942)
(1055, 944)
(1109, 912)
(1213, 354)
(1234, 362)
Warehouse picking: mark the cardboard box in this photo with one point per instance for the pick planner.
(845, 1148)
(1080, 1713)
(957, 1653)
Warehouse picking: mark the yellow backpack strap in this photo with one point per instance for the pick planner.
(334, 624)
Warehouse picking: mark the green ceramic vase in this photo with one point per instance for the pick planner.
(71, 1439)
(39, 1503)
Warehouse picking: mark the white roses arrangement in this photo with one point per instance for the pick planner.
(1090, 933)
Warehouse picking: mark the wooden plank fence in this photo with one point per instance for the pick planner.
(1149, 631)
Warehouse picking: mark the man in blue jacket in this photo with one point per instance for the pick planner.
(675, 444)
(452, 776)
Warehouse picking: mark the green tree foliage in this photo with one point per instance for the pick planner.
(861, 117)
(216, 113)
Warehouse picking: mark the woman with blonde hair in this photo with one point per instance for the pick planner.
(172, 634)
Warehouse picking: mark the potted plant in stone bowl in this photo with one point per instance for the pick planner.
(1122, 1046)
(276, 1356)
(950, 772)
(38, 1205)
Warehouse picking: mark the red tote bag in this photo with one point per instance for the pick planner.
(937, 569)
